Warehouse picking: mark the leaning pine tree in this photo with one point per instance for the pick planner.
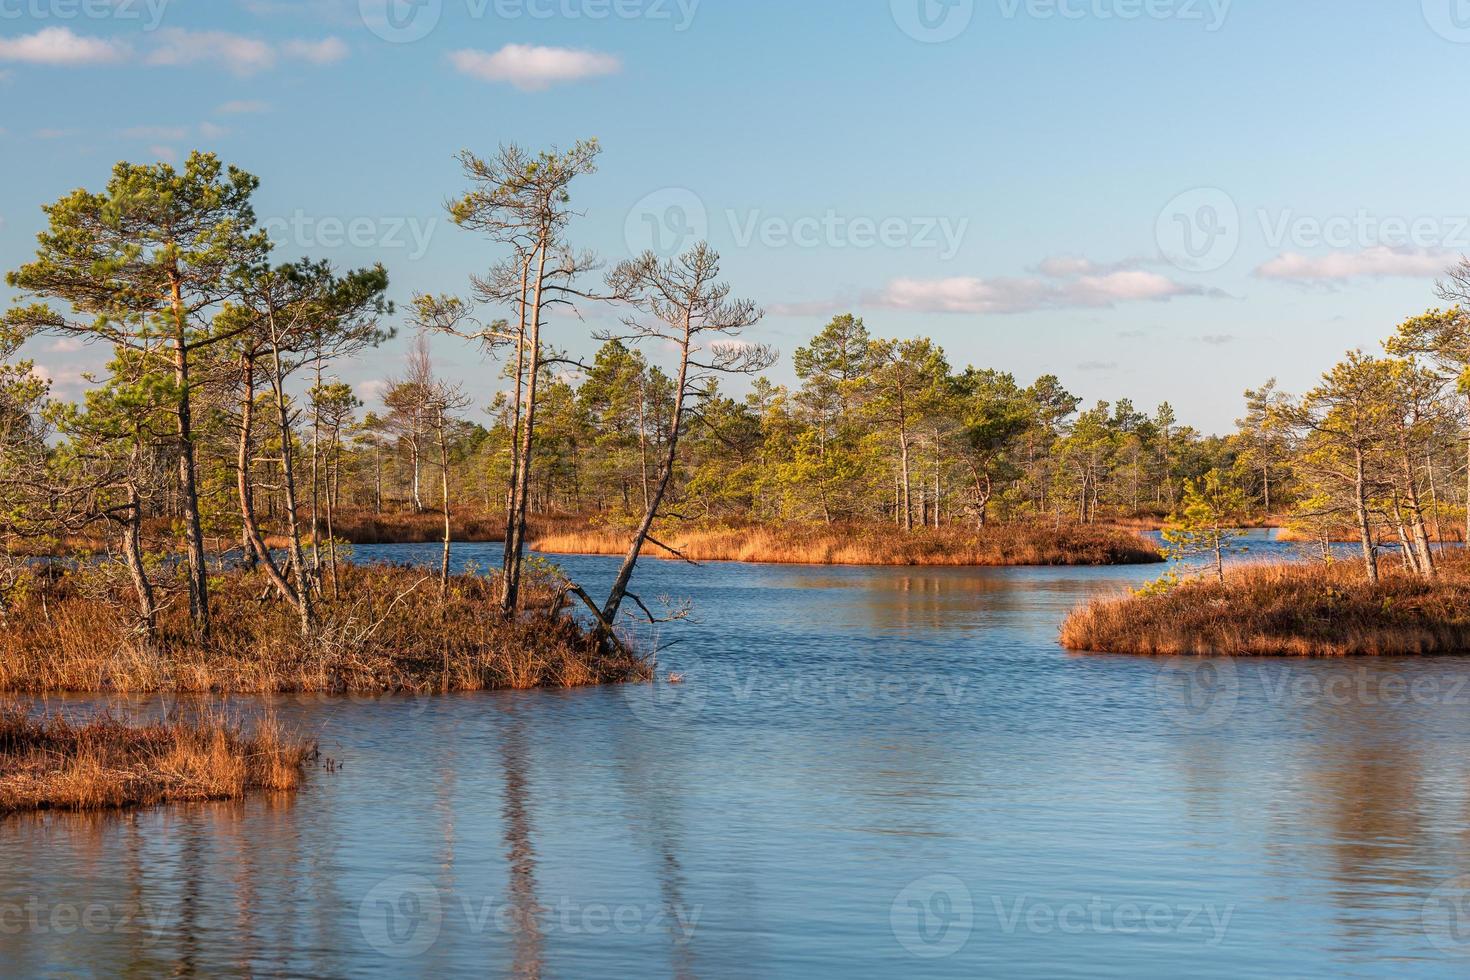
(682, 304)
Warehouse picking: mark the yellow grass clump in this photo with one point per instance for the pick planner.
(387, 633)
(55, 764)
(1000, 544)
(1297, 610)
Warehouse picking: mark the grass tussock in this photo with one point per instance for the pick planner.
(998, 545)
(1298, 610)
(387, 633)
(55, 764)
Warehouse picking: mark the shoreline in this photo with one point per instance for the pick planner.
(1319, 611)
(103, 764)
(1001, 546)
(388, 633)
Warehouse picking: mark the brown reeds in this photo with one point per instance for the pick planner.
(998, 545)
(357, 526)
(56, 764)
(387, 633)
(1295, 610)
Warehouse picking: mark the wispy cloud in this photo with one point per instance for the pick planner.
(172, 47)
(59, 47)
(1059, 283)
(327, 51)
(241, 55)
(1378, 262)
(1023, 295)
(1218, 339)
(534, 69)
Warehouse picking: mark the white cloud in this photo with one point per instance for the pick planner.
(211, 131)
(1070, 266)
(1023, 295)
(165, 153)
(58, 46)
(241, 55)
(243, 107)
(534, 69)
(327, 51)
(1378, 262)
(372, 391)
(65, 345)
(1060, 283)
(61, 380)
(171, 47)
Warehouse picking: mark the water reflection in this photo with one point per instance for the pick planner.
(520, 853)
(846, 736)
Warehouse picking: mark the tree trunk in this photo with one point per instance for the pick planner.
(288, 480)
(444, 486)
(193, 528)
(413, 455)
(630, 562)
(133, 555)
(1467, 491)
(246, 493)
(1365, 527)
(1434, 501)
(333, 465)
(1423, 551)
(316, 442)
(907, 502)
(513, 487)
(377, 481)
(516, 548)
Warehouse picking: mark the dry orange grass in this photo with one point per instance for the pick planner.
(1299, 610)
(1350, 536)
(104, 764)
(1001, 544)
(388, 633)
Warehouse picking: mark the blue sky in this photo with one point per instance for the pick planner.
(1158, 199)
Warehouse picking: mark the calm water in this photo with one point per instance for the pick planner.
(868, 772)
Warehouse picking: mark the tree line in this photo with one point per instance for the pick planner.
(221, 416)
